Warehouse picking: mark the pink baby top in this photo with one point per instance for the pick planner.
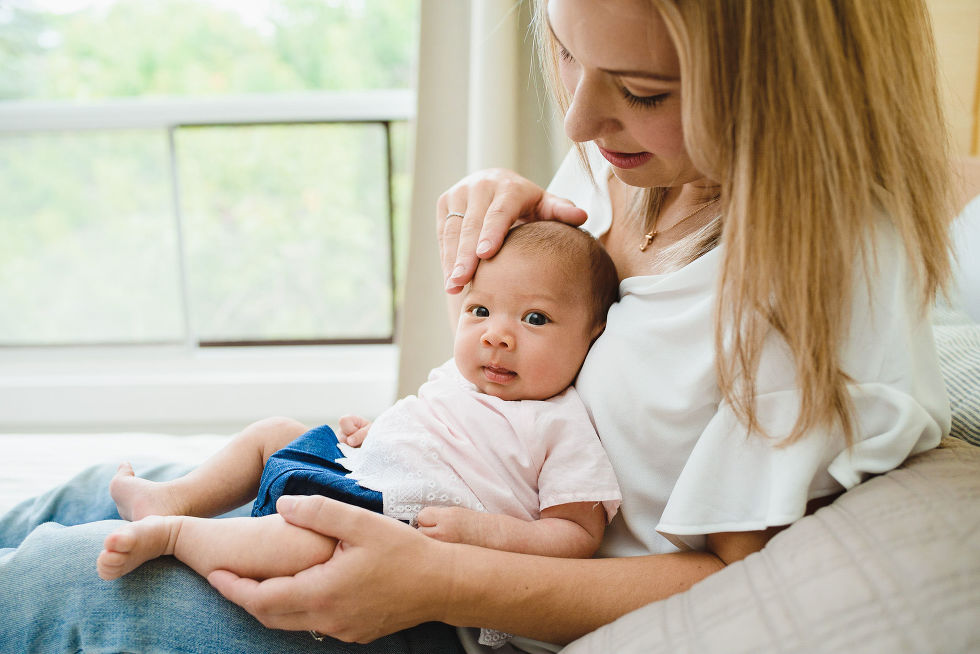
(453, 446)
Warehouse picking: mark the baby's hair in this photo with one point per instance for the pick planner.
(582, 260)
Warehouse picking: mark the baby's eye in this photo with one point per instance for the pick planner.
(536, 318)
(480, 312)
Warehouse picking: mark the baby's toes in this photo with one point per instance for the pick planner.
(121, 540)
(110, 564)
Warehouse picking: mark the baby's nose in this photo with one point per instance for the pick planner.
(494, 337)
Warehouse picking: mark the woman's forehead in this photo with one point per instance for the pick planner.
(619, 36)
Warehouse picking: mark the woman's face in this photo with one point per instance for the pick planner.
(621, 70)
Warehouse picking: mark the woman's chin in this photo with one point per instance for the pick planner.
(650, 175)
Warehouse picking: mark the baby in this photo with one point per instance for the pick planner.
(496, 450)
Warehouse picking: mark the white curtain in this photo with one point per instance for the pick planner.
(481, 104)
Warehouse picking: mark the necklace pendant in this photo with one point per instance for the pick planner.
(647, 240)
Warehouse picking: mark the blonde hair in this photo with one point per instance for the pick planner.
(819, 119)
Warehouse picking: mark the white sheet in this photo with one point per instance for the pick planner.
(33, 463)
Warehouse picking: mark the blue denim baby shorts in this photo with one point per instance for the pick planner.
(308, 466)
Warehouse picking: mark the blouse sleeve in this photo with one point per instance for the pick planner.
(734, 481)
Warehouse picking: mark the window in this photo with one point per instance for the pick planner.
(187, 174)
(202, 172)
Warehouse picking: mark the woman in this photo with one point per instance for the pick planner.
(770, 181)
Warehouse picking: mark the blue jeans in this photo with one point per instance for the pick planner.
(51, 599)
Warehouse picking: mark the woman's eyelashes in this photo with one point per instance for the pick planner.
(633, 100)
(642, 101)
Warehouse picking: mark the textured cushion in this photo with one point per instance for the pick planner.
(892, 566)
(958, 345)
(966, 237)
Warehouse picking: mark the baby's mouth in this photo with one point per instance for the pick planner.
(499, 375)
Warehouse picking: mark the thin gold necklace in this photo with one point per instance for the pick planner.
(654, 233)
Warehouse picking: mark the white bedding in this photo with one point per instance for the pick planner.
(33, 463)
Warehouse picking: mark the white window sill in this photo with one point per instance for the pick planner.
(173, 389)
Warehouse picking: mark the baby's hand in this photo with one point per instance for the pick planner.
(453, 524)
(353, 430)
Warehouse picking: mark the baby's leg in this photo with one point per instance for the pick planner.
(225, 481)
(258, 548)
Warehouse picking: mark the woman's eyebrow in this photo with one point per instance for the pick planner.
(620, 73)
(642, 74)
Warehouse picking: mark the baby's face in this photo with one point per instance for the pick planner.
(523, 333)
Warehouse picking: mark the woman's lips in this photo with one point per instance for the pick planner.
(498, 375)
(625, 159)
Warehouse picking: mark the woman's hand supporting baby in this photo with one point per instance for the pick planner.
(401, 565)
(406, 572)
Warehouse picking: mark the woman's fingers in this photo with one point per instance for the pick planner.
(351, 525)
(278, 603)
(474, 216)
(556, 208)
(514, 204)
(266, 600)
(384, 576)
(458, 234)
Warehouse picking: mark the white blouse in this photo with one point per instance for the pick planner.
(685, 465)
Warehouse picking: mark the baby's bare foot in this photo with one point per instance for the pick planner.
(134, 544)
(137, 498)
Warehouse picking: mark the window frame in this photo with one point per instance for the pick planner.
(194, 387)
(382, 107)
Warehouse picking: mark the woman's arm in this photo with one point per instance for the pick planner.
(385, 576)
(571, 530)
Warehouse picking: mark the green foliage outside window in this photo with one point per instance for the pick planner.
(282, 224)
(137, 48)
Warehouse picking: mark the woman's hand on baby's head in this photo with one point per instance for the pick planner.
(491, 202)
(353, 430)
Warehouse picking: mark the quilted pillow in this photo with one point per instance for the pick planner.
(891, 566)
(958, 345)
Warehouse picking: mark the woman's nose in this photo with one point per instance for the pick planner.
(588, 116)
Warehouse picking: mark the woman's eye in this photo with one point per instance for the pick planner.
(535, 318)
(645, 101)
(564, 54)
(480, 312)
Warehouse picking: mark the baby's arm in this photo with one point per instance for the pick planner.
(568, 530)
(259, 548)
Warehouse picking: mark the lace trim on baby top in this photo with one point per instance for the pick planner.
(406, 465)
(494, 638)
